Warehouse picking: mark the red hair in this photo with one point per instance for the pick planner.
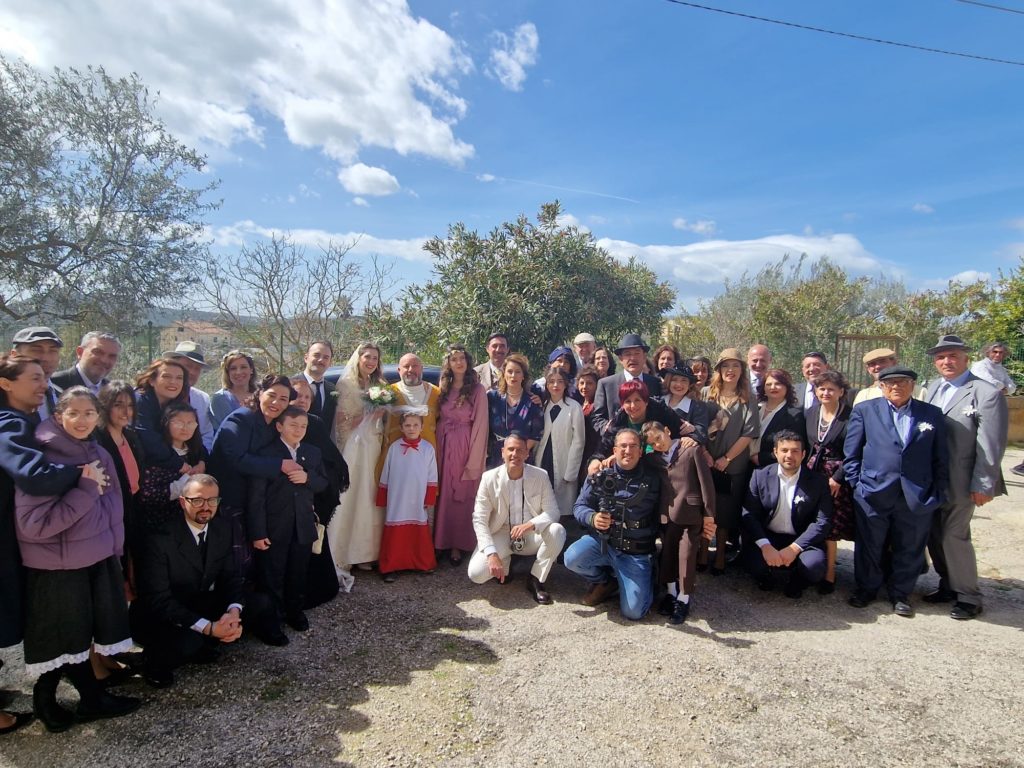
(633, 387)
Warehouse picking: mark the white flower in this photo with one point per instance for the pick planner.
(924, 426)
(969, 411)
(799, 499)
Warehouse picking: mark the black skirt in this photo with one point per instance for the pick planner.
(69, 611)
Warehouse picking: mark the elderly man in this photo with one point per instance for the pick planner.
(191, 357)
(787, 514)
(190, 595)
(619, 509)
(632, 354)
(876, 361)
(897, 464)
(42, 344)
(585, 345)
(318, 359)
(812, 364)
(516, 514)
(97, 356)
(759, 360)
(490, 371)
(991, 368)
(976, 422)
(412, 392)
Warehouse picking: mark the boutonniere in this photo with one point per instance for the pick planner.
(969, 411)
(799, 499)
(924, 426)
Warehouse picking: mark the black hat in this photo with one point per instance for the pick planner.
(897, 372)
(680, 370)
(949, 341)
(35, 333)
(631, 340)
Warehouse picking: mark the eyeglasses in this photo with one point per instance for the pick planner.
(199, 501)
(893, 383)
(183, 424)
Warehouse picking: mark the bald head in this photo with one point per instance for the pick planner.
(410, 368)
(759, 359)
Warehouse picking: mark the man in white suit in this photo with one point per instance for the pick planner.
(515, 513)
(976, 428)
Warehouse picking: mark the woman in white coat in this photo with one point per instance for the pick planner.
(561, 447)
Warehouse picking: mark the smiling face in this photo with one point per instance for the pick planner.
(79, 417)
(951, 363)
(701, 372)
(181, 427)
(759, 359)
(828, 393)
(26, 392)
(168, 383)
(878, 365)
(457, 362)
(293, 429)
(122, 411)
(601, 361)
(410, 368)
(635, 408)
(273, 401)
(666, 360)
(632, 359)
(497, 351)
(514, 452)
(730, 371)
(369, 359)
(660, 440)
(98, 358)
(587, 388)
(678, 386)
(628, 450)
(318, 359)
(45, 351)
(774, 390)
(811, 367)
(240, 373)
(790, 455)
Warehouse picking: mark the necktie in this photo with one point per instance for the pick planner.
(202, 546)
(318, 404)
(555, 410)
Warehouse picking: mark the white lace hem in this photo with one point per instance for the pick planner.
(35, 670)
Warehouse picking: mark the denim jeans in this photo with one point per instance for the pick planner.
(635, 573)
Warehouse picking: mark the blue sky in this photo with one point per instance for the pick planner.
(702, 143)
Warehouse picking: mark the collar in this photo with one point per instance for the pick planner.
(195, 530)
(410, 445)
(89, 383)
(311, 380)
(788, 479)
(905, 408)
(960, 380)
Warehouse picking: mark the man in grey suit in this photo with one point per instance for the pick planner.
(976, 428)
(632, 354)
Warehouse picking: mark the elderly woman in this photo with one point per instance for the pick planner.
(510, 409)
(238, 382)
(462, 452)
(778, 410)
(734, 425)
(321, 579)
(23, 386)
(164, 381)
(71, 546)
(560, 450)
(701, 368)
(604, 361)
(357, 525)
(235, 458)
(825, 423)
(666, 356)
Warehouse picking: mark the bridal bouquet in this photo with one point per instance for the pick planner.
(380, 396)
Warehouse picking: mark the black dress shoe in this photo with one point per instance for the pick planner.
(297, 621)
(667, 605)
(826, 587)
(156, 677)
(536, 588)
(940, 596)
(208, 654)
(679, 612)
(903, 608)
(965, 611)
(858, 600)
(56, 718)
(766, 583)
(276, 639)
(20, 719)
(794, 589)
(389, 577)
(107, 705)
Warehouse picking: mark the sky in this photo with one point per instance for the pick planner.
(704, 144)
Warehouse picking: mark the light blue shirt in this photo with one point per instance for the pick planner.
(949, 387)
(901, 420)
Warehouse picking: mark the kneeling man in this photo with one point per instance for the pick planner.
(619, 508)
(787, 514)
(516, 514)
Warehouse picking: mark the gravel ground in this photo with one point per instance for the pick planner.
(432, 670)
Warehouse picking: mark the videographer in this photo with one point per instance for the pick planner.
(619, 507)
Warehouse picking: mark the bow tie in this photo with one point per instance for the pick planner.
(407, 444)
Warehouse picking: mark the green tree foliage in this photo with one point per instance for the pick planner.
(539, 283)
(98, 214)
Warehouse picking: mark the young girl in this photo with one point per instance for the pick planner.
(408, 485)
(280, 520)
(561, 445)
(161, 487)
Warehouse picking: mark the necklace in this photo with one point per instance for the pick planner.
(824, 424)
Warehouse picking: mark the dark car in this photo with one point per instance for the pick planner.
(431, 373)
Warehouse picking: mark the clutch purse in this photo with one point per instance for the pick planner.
(321, 529)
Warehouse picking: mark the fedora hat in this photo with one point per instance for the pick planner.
(949, 341)
(631, 340)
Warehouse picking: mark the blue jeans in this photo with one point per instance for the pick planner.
(635, 573)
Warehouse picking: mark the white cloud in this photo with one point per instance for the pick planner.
(485, 177)
(363, 244)
(222, 68)
(702, 227)
(512, 55)
(923, 208)
(360, 179)
(307, 191)
(360, 201)
(1017, 223)
(964, 278)
(568, 220)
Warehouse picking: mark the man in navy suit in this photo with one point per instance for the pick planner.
(787, 514)
(632, 354)
(318, 359)
(897, 464)
(97, 356)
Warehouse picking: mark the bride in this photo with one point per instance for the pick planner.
(356, 526)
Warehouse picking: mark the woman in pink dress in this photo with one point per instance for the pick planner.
(461, 450)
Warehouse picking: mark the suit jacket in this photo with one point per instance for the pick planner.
(831, 446)
(330, 402)
(172, 580)
(787, 417)
(486, 375)
(70, 377)
(236, 454)
(878, 467)
(606, 401)
(692, 495)
(977, 421)
(279, 509)
(811, 510)
(491, 508)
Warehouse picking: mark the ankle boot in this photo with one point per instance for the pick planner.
(95, 703)
(44, 703)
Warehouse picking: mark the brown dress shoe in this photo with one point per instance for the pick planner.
(598, 593)
(536, 588)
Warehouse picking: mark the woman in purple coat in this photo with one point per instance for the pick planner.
(71, 546)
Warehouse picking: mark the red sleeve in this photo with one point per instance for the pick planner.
(431, 497)
(382, 496)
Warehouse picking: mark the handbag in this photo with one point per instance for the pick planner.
(321, 529)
